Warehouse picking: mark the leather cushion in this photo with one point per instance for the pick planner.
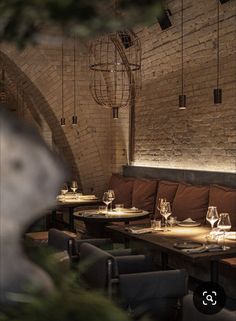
(191, 201)
(224, 198)
(144, 193)
(166, 189)
(123, 188)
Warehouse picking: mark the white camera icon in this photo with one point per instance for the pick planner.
(209, 298)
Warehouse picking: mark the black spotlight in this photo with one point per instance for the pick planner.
(125, 39)
(115, 112)
(223, 1)
(164, 20)
(217, 93)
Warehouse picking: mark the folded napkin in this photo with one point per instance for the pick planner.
(188, 220)
(134, 230)
(88, 197)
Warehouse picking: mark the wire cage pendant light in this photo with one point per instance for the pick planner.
(217, 92)
(115, 65)
(74, 117)
(182, 97)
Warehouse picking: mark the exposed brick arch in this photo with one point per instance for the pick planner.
(37, 103)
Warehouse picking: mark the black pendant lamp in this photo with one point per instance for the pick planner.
(182, 97)
(217, 92)
(63, 120)
(74, 117)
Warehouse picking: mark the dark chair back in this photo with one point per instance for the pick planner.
(93, 266)
(58, 240)
(161, 297)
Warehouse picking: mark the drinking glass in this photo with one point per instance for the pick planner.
(160, 203)
(224, 224)
(74, 186)
(156, 225)
(172, 221)
(165, 211)
(212, 216)
(106, 200)
(64, 189)
(112, 197)
(119, 207)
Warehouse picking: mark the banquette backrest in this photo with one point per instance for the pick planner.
(189, 191)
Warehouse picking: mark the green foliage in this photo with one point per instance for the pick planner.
(21, 20)
(69, 301)
(65, 305)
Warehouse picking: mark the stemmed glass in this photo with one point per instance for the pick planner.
(112, 196)
(74, 186)
(106, 200)
(160, 203)
(212, 216)
(224, 224)
(64, 189)
(166, 212)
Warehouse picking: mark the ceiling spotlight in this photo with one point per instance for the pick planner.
(164, 20)
(115, 113)
(223, 1)
(125, 39)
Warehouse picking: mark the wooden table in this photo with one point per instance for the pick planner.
(96, 223)
(163, 243)
(71, 205)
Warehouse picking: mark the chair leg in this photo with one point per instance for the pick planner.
(109, 276)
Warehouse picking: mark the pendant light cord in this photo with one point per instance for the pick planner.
(218, 44)
(62, 79)
(74, 78)
(182, 44)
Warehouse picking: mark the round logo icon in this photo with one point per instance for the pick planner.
(209, 298)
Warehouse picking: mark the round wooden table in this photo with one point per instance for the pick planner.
(96, 223)
(71, 205)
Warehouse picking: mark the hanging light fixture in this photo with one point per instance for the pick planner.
(115, 64)
(74, 117)
(217, 92)
(182, 97)
(3, 94)
(63, 120)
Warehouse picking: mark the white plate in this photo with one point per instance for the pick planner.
(230, 236)
(186, 224)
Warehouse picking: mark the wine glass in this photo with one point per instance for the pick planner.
(224, 224)
(74, 186)
(212, 216)
(165, 211)
(160, 203)
(111, 195)
(106, 200)
(64, 189)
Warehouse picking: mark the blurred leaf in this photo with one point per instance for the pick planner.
(22, 20)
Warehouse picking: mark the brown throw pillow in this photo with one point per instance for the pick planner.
(144, 193)
(191, 201)
(224, 198)
(166, 189)
(123, 188)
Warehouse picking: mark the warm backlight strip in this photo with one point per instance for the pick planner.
(209, 168)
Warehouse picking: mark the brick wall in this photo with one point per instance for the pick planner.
(36, 71)
(203, 136)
